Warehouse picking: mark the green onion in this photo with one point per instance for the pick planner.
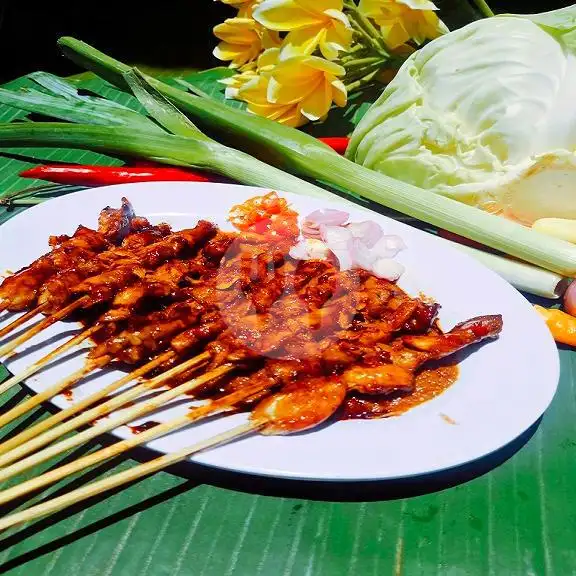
(164, 148)
(302, 154)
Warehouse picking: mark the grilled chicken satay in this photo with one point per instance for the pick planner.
(166, 280)
(19, 291)
(57, 290)
(400, 363)
(307, 402)
(462, 335)
(117, 223)
(140, 339)
(184, 326)
(299, 406)
(103, 277)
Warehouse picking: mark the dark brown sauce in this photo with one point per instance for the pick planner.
(430, 383)
(68, 394)
(143, 427)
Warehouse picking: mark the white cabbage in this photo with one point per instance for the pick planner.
(485, 114)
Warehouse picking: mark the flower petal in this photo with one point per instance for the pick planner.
(268, 58)
(284, 15)
(236, 30)
(291, 92)
(418, 4)
(254, 91)
(301, 42)
(320, 6)
(394, 33)
(339, 93)
(317, 103)
(340, 16)
(323, 65)
(292, 117)
(271, 39)
(237, 54)
(330, 50)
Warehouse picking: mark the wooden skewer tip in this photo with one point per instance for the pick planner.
(106, 484)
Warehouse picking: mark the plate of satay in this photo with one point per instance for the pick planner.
(261, 332)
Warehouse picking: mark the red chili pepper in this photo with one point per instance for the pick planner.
(337, 143)
(106, 175)
(143, 172)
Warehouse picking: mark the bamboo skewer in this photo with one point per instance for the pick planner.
(37, 429)
(48, 321)
(218, 406)
(125, 477)
(18, 447)
(36, 400)
(21, 319)
(39, 364)
(127, 416)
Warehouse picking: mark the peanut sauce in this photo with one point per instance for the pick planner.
(430, 382)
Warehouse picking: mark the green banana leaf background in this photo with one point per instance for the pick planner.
(510, 515)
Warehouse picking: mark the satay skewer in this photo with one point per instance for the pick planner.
(173, 243)
(283, 413)
(20, 291)
(93, 364)
(37, 399)
(21, 319)
(20, 446)
(122, 478)
(48, 321)
(39, 364)
(99, 362)
(125, 417)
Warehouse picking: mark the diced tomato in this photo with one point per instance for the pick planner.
(262, 226)
(268, 215)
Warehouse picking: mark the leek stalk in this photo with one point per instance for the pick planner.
(164, 148)
(302, 154)
(522, 276)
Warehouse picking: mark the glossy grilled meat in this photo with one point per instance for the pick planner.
(304, 331)
(20, 290)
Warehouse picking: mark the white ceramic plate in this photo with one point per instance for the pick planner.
(504, 386)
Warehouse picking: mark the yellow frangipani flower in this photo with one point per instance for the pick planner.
(294, 91)
(309, 80)
(255, 89)
(265, 63)
(309, 23)
(245, 7)
(254, 94)
(242, 40)
(234, 83)
(402, 20)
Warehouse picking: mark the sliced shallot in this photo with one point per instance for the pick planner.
(387, 268)
(389, 246)
(328, 217)
(369, 231)
(310, 249)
